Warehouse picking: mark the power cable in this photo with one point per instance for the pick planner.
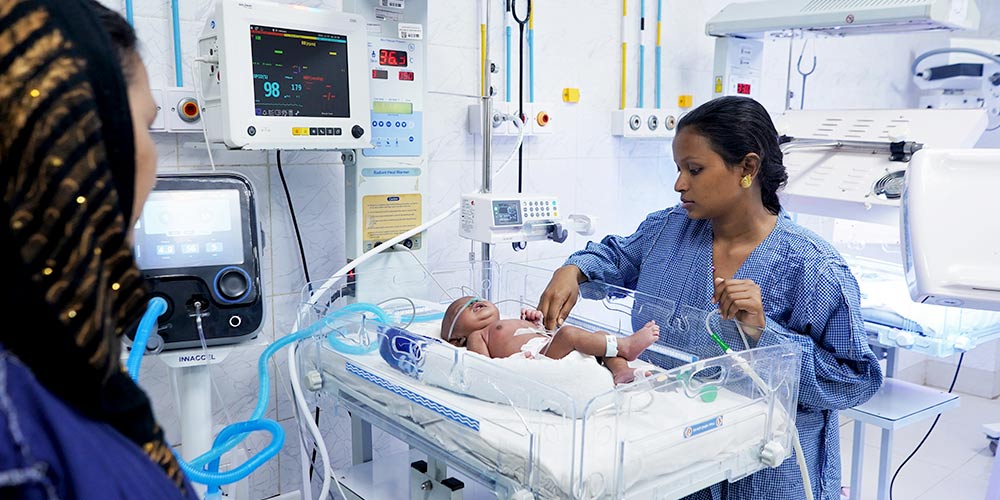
(295, 222)
(914, 452)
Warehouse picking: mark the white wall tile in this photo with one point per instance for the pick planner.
(318, 197)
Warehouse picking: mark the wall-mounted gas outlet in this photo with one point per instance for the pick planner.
(645, 123)
(181, 110)
(538, 119)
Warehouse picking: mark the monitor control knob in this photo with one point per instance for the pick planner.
(357, 131)
(233, 283)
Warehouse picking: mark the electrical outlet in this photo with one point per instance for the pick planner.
(645, 123)
(181, 110)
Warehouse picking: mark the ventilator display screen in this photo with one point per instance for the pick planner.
(190, 228)
(299, 73)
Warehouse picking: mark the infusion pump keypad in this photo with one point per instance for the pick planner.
(540, 209)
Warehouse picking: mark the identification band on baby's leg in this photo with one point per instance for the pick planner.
(611, 343)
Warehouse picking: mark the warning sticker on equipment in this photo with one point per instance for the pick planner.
(411, 31)
(386, 15)
(393, 4)
(385, 216)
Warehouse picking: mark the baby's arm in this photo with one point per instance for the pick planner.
(532, 315)
(477, 344)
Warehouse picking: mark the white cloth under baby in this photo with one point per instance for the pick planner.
(535, 347)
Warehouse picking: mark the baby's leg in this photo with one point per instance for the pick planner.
(571, 338)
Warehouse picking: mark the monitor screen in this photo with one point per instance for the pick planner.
(190, 228)
(299, 73)
(506, 213)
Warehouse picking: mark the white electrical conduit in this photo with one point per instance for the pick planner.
(301, 404)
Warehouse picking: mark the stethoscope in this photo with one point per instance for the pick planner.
(805, 74)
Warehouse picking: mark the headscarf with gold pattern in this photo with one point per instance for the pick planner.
(70, 283)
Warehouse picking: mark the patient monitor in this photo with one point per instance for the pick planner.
(284, 76)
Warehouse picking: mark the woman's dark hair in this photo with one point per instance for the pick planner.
(122, 36)
(735, 127)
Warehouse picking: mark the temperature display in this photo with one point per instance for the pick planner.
(743, 88)
(392, 57)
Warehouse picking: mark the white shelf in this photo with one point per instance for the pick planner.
(899, 403)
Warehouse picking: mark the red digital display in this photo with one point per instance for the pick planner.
(392, 57)
(380, 74)
(743, 88)
(406, 75)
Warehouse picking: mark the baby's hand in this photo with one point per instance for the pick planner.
(532, 315)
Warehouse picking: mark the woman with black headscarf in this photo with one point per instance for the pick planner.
(76, 165)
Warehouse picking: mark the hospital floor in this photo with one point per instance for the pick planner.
(954, 463)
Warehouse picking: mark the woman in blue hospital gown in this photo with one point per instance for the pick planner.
(728, 245)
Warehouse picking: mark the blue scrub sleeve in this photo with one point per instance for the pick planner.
(839, 370)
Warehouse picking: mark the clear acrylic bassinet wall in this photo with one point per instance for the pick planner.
(554, 428)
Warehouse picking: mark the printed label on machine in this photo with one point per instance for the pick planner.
(411, 31)
(388, 215)
(386, 15)
(393, 4)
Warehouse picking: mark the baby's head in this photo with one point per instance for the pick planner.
(467, 314)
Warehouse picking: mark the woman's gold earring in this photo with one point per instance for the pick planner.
(746, 181)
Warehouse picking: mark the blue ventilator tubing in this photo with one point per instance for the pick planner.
(157, 306)
(204, 469)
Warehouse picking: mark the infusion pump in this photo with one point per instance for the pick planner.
(278, 76)
(510, 218)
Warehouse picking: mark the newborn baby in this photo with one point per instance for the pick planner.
(475, 324)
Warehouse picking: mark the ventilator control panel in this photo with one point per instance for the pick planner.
(197, 246)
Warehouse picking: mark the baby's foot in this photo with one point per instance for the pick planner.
(625, 374)
(622, 374)
(630, 347)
